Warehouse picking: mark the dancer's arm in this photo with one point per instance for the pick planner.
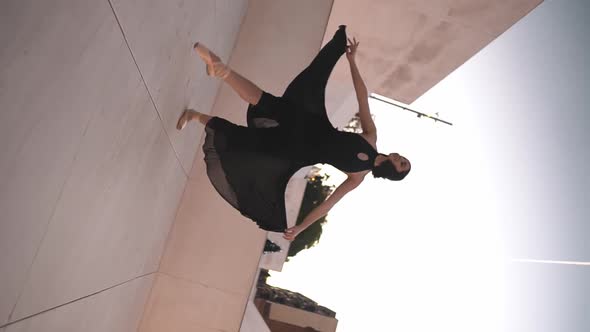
(362, 95)
(321, 210)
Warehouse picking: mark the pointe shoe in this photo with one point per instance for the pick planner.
(185, 117)
(214, 66)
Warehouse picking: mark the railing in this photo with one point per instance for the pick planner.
(419, 114)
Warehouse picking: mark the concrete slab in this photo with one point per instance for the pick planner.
(177, 304)
(85, 151)
(48, 97)
(161, 35)
(409, 46)
(113, 216)
(211, 243)
(90, 177)
(115, 310)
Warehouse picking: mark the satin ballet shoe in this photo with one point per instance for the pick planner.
(184, 118)
(213, 64)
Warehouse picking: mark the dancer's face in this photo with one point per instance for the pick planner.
(400, 163)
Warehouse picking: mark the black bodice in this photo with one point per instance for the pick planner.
(346, 152)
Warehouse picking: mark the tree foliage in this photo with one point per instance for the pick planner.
(316, 191)
(354, 124)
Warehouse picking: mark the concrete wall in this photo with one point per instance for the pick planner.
(408, 46)
(212, 254)
(92, 169)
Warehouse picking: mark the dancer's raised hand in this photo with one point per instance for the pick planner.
(291, 233)
(351, 49)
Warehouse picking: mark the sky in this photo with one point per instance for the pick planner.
(477, 236)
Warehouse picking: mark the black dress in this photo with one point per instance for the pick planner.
(250, 166)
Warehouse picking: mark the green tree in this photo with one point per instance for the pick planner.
(316, 191)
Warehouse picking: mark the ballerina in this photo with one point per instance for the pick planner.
(250, 166)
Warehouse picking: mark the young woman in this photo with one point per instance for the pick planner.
(250, 166)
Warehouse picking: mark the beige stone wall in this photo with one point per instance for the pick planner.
(408, 46)
(92, 169)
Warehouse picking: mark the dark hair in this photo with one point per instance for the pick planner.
(386, 170)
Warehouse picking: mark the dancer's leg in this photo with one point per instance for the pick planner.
(247, 90)
(311, 82)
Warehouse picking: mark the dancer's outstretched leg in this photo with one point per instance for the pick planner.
(247, 90)
(188, 115)
(310, 84)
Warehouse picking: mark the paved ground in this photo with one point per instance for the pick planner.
(92, 170)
